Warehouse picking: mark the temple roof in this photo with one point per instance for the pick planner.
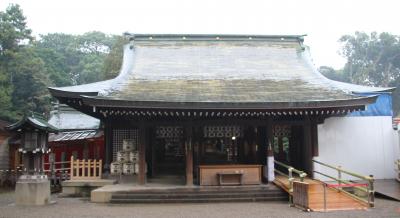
(218, 71)
(65, 118)
(32, 120)
(75, 135)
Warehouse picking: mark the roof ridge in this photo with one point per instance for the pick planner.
(133, 36)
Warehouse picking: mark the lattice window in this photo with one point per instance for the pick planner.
(222, 131)
(281, 142)
(169, 132)
(119, 135)
(281, 131)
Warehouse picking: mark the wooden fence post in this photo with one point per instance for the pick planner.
(95, 168)
(90, 168)
(85, 169)
(100, 168)
(72, 167)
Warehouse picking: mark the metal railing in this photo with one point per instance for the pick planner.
(289, 174)
(367, 188)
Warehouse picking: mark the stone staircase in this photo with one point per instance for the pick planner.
(201, 195)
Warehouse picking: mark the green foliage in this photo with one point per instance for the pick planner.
(14, 35)
(30, 81)
(13, 29)
(95, 43)
(333, 74)
(113, 60)
(29, 66)
(78, 58)
(372, 59)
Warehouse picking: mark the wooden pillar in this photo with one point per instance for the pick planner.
(152, 144)
(307, 152)
(314, 135)
(270, 137)
(189, 156)
(263, 143)
(142, 156)
(108, 147)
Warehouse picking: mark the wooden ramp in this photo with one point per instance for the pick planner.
(314, 196)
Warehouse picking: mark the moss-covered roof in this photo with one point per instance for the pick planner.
(184, 69)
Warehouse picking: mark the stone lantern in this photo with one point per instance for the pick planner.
(33, 187)
(33, 131)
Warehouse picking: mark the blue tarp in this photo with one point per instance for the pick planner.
(382, 106)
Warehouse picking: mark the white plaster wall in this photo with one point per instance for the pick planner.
(365, 145)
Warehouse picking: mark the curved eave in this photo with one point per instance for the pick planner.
(21, 123)
(383, 90)
(103, 102)
(15, 126)
(58, 93)
(354, 88)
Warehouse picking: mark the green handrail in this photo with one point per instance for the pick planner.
(299, 172)
(344, 171)
(290, 177)
(370, 179)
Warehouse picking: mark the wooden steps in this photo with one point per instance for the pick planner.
(201, 195)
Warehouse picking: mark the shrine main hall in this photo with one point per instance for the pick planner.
(192, 106)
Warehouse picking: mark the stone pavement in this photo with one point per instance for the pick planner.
(75, 207)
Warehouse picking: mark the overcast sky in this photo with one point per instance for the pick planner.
(324, 21)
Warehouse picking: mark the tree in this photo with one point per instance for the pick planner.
(113, 61)
(95, 42)
(75, 59)
(333, 74)
(29, 66)
(30, 81)
(14, 35)
(371, 59)
(13, 29)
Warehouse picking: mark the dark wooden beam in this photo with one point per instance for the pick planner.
(189, 155)
(108, 146)
(314, 139)
(307, 148)
(142, 156)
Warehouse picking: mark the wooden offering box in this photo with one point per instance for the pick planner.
(232, 174)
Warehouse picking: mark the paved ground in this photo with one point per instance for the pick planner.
(74, 207)
(388, 187)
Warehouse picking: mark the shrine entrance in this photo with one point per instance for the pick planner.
(167, 154)
(289, 146)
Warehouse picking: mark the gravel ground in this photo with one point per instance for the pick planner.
(74, 207)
